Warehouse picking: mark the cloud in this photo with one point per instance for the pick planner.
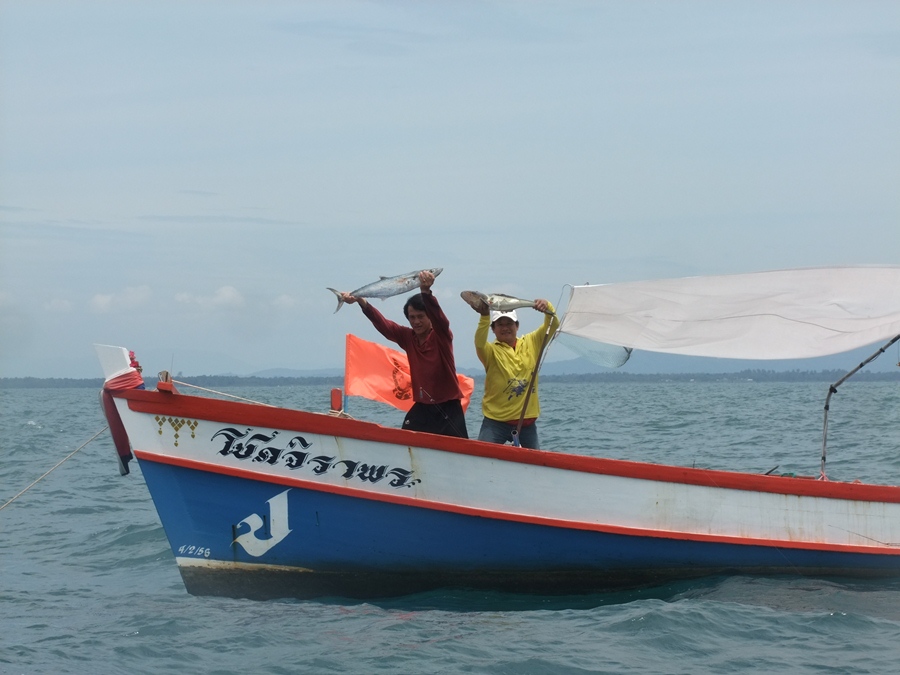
(59, 305)
(227, 297)
(129, 298)
(101, 303)
(216, 220)
(284, 301)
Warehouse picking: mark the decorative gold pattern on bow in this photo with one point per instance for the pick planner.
(176, 423)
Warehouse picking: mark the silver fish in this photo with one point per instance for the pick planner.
(386, 287)
(497, 302)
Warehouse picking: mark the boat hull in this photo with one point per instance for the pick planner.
(344, 545)
(263, 502)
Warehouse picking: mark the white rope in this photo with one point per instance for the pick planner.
(222, 393)
(51, 470)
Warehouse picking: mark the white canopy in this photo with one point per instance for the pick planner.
(787, 314)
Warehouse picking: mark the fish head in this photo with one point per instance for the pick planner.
(476, 300)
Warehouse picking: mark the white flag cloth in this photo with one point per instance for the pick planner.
(786, 314)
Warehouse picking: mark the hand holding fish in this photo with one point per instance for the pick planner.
(542, 305)
(426, 280)
(475, 302)
(346, 298)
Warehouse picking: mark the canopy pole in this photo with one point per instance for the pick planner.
(537, 366)
(832, 389)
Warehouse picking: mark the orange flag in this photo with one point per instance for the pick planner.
(382, 374)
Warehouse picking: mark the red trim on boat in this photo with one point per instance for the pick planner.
(498, 515)
(117, 431)
(229, 412)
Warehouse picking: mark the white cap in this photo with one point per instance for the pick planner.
(498, 315)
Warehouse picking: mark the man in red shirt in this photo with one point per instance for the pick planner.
(428, 344)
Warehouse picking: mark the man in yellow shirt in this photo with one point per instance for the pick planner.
(509, 363)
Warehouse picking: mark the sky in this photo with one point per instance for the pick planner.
(186, 178)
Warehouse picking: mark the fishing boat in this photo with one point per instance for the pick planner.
(266, 502)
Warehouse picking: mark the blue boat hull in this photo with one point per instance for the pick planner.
(335, 544)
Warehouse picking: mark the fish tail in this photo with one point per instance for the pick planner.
(339, 297)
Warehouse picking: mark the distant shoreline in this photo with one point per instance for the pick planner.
(337, 381)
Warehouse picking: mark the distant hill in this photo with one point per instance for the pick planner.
(649, 363)
(642, 367)
(561, 374)
(290, 372)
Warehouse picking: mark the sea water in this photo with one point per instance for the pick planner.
(88, 583)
